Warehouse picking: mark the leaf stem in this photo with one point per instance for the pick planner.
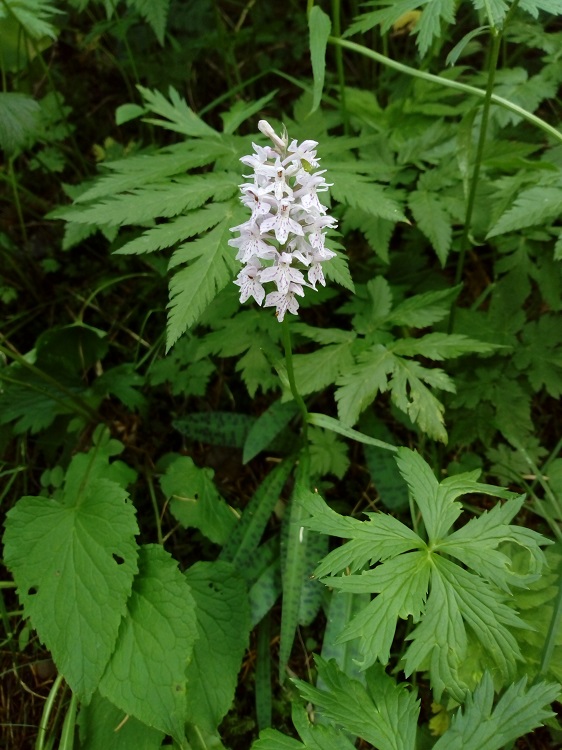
(464, 87)
(336, 25)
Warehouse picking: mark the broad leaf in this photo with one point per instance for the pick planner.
(146, 674)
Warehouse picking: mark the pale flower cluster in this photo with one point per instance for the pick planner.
(284, 237)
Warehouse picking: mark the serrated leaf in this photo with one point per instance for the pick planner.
(328, 454)
(74, 561)
(425, 309)
(195, 501)
(440, 346)
(536, 205)
(155, 12)
(223, 625)
(146, 674)
(478, 726)
(193, 288)
(382, 713)
(357, 191)
(34, 17)
(159, 199)
(318, 370)
(433, 220)
(359, 386)
(177, 115)
(19, 121)
(177, 230)
(128, 174)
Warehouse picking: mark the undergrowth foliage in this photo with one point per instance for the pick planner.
(178, 519)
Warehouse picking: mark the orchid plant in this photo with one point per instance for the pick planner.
(285, 233)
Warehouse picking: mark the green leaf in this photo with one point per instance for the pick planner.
(536, 205)
(177, 115)
(318, 370)
(266, 428)
(319, 26)
(357, 191)
(155, 12)
(246, 536)
(329, 423)
(195, 501)
(382, 467)
(440, 346)
(479, 726)
(193, 288)
(433, 220)
(314, 736)
(155, 200)
(223, 626)
(424, 309)
(19, 121)
(34, 17)
(146, 674)
(142, 169)
(242, 111)
(225, 428)
(361, 383)
(103, 726)
(293, 565)
(382, 713)
(328, 454)
(73, 561)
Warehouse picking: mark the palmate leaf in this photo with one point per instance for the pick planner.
(423, 580)
(314, 736)
(212, 266)
(34, 16)
(318, 370)
(382, 712)
(480, 726)
(440, 346)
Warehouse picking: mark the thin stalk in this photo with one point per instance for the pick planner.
(291, 376)
(492, 66)
(336, 25)
(17, 203)
(553, 630)
(155, 508)
(47, 710)
(464, 87)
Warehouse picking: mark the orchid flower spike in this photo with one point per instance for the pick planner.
(283, 241)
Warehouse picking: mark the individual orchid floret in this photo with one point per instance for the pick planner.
(282, 243)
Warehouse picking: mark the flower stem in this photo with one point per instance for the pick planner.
(291, 376)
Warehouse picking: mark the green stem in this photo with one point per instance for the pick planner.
(464, 87)
(291, 376)
(47, 710)
(336, 25)
(493, 62)
(17, 203)
(553, 630)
